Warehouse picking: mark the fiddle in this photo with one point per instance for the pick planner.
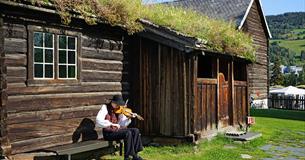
(127, 112)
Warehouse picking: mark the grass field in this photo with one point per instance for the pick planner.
(295, 45)
(275, 125)
(294, 34)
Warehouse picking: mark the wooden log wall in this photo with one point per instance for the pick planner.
(46, 114)
(258, 72)
(162, 88)
(4, 141)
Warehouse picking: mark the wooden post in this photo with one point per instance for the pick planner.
(140, 98)
(218, 104)
(194, 96)
(233, 93)
(4, 141)
(184, 90)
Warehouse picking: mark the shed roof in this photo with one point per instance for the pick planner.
(229, 10)
(179, 40)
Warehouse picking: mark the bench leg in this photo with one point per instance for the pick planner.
(69, 157)
(121, 148)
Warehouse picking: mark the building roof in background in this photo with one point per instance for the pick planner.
(235, 11)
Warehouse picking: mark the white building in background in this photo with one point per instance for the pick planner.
(291, 69)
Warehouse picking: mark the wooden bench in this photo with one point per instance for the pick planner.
(97, 147)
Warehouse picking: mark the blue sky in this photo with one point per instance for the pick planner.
(272, 7)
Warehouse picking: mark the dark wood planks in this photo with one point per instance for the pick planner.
(162, 96)
(206, 108)
(241, 100)
(84, 87)
(33, 135)
(55, 114)
(23, 103)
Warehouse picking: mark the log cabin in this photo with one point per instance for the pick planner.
(248, 16)
(55, 75)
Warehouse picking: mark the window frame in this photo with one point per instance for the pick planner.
(43, 57)
(31, 81)
(67, 57)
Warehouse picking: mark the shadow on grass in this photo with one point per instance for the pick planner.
(279, 113)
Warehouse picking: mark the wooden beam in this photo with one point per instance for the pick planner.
(169, 34)
(207, 80)
(162, 40)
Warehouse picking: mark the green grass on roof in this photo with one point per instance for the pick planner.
(220, 36)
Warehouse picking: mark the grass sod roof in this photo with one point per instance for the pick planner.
(219, 35)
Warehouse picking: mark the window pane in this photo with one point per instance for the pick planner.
(38, 39)
(38, 56)
(71, 71)
(62, 71)
(38, 71)
(62, 42)
(49, 56)
(71, 57)
(48, 42)
(62, 57)
(71, 42)
(49, 71)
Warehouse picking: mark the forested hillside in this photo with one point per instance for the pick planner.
(288, 25)
(288, 32)
(287, 47)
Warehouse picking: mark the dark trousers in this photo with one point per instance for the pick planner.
(132, 140)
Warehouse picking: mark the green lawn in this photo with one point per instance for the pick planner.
(279, 113)
(276, 131)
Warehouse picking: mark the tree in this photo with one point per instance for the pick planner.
(303, 53)
(301, 78)
(277, 77)
(290, 79)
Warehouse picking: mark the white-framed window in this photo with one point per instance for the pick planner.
(43, 55)
(54, 56)
(67, 57)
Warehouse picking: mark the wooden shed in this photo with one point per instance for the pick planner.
(248, 16)
(53, 75)
(182, 89)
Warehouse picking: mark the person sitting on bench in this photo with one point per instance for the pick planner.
(115, 128)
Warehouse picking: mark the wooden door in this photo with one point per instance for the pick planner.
(223, 101)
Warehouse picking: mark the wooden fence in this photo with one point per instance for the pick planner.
(285, 102)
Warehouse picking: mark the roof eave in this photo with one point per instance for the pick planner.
(172, 35)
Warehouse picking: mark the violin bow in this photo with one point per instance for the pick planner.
(126, 103)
